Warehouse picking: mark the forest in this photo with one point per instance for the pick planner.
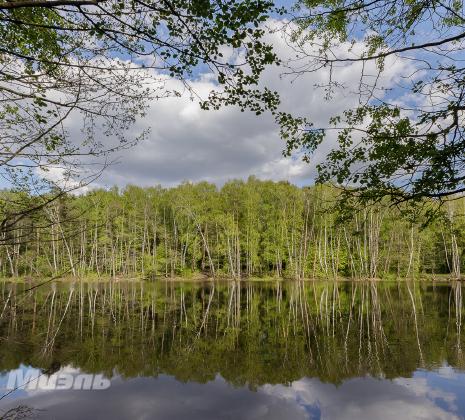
(245, 229)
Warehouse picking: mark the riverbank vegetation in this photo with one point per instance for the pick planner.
(244, 229)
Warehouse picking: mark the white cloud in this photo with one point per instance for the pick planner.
(186, 143)
(60, 177)
(370, 398)
(165, 397)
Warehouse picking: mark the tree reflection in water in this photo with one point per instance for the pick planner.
(250, 333)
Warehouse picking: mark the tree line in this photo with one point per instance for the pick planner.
(100, 64)
(244, 229)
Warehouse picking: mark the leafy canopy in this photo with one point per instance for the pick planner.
(96, 64)
(406, 142)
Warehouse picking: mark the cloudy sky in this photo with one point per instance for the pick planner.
(426, 395)
(188, 144)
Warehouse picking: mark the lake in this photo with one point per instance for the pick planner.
(232, 350)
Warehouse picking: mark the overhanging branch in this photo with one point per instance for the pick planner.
(47, 3)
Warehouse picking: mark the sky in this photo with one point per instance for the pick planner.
(186, 143)
(425, 395)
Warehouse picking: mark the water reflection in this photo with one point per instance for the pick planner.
(240, 350)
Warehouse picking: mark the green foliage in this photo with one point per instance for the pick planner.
(405, 142)
(103, 64)
(245, 229)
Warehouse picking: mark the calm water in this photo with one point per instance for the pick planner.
(237, 351)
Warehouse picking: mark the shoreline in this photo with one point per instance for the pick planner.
(208, 279)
